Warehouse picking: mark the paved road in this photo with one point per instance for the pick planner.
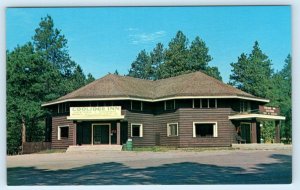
(170, 168)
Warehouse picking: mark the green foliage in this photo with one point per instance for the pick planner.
(116, 72)
(36, 73)
(280, 93)
(53, 46)
(252, 73)
(89, 79)
(268, 131)
(141, 67)
(178, 58)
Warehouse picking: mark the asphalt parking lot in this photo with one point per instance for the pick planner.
(165, 168)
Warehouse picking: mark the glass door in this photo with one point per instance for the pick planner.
(101, 134)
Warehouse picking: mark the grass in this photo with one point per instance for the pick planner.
(49, 151)
(154, 149)
(166, 149)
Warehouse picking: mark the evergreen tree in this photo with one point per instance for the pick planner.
(53, 45)
(89, 79)
(252, 74)
(116, 72)
(78, 78)
(280, 94)
(31, 80)
(176, 57)
(198, 55)
(141, 67)
(157, 59)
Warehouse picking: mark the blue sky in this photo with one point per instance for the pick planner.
(102, 40)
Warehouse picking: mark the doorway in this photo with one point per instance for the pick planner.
(246, 131)
(101, 133)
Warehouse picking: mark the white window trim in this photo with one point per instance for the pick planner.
(215, 130)
(59, 131)
(169, 131)
(141, 129)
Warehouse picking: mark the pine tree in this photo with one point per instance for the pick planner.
(89, 79)
(53, 45)
(252, 73)
(31, 80)
(141, 67)
(198, 55)
(157, 59)
(116, 72)
(176, 57)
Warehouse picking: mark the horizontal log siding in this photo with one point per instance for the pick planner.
(226, 129)
(149, 128)
(63, 143)
(161, 122)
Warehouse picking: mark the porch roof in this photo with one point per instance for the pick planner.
(256, 116)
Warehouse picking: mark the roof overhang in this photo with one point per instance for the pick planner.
(256, 116)
(155, 100)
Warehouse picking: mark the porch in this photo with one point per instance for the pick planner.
(248, 124)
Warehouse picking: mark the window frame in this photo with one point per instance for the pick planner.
(200, 101)
(131, 105)
(59, 137)
(169, 130)
(141, 129)
(215, 128)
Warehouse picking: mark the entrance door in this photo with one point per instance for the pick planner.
(83, 133)
(246, 132)
(101, 134)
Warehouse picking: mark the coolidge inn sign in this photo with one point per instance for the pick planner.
(101, 113)
(190, 110)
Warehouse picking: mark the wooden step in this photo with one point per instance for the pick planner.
(88, 148)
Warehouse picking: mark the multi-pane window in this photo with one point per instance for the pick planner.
(205, 103)
(205, 129)
(136, 130)
(63, 132)
(244, 106)
(172, 129)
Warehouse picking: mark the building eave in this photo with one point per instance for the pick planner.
(157, 99)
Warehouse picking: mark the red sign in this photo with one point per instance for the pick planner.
(269, 110)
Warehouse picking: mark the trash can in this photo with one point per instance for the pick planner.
(129, 145)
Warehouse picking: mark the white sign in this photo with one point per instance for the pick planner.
(104, 112)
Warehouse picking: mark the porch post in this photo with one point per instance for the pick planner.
(253, 131)
(118, 133)
(74, 133)
(277, 131)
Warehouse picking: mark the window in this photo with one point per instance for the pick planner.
(205, 129)
(197, 103)
(172, 129)
(169, 104)
(63, 132)
(136, 130)
(244, 106)
(204, 103)
(136, 105)
(212, 103)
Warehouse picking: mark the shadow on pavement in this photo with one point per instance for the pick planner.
(113, 173)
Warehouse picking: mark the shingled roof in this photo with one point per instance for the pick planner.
(124, 87)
